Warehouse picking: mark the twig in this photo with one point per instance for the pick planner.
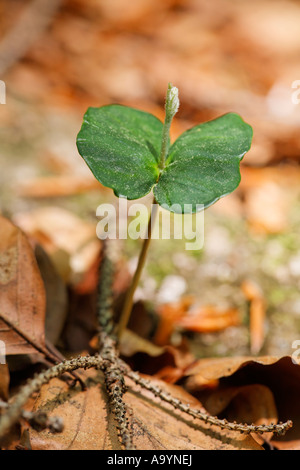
(14, 412)
(60, 358)
(115, 387)
(279, 429)
(39, 420)
(105, 312)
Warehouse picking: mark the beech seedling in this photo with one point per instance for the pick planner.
(129, 151)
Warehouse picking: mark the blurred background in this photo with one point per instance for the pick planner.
(240, 294)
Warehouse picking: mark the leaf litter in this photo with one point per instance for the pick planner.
(273, 144)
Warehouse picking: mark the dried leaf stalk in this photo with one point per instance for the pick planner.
(114, 378)
(279, 429)
(15, 410)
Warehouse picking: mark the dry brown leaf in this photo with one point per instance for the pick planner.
(204, 371)
(255, 396)
(56, 296)
(280, 375)
(167, 363)
(209, 319)
(22, 293)
(169, 314)
(4, 382)
(188, 315)
(170, 374)
(89, 424)
(131, 343)
(246, 404)
(70, 241)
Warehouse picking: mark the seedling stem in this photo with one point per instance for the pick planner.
(172, 105)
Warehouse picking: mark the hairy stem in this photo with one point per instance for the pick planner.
(127, 307)
(279, 429)
(165, 142)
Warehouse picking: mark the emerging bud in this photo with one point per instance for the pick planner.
(172, 101)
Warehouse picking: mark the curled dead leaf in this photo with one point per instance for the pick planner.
(22, 293)
(165, 362)
(234, 384)
(186, 314)
(56, 296)
(245, 404)
(209, 319)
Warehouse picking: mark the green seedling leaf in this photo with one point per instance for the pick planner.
(122, 148)
(203, 164)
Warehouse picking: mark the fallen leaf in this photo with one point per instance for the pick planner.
(204, 371)
(154, 427)
(170, 374)
(71, 242)
(253, 403)
(169, 314)
(209, 378)
(209, 319)
(165, 362)
(4, 382)
(131, 343)
(22, 293)
(187, 315)
(56, 296)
